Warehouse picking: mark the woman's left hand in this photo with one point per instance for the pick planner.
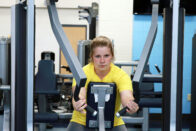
(132, 107)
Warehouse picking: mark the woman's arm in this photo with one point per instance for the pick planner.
(127, 100)
(81, 104)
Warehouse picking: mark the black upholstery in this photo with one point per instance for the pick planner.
(45, 79)
(109, 109)
(46, 117)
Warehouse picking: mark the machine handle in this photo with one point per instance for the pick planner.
(121, 112)
(156, 66)
(88, 108)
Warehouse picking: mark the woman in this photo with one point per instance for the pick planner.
(101, 69)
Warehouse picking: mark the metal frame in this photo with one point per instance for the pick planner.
(174, 65)
(68, 52)
(139, 73)
(13, 68)
(166, 67)
(193, 85)
(91, 18)
(30, 62)
(5, 81)
(82, 51)
(22, 58)
(65, 46)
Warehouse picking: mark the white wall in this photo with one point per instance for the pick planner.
(114, 21)
(45, 39)
(5, 22)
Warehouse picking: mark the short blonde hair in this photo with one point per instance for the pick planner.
(101, 41)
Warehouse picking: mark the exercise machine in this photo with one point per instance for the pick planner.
(5, 83)
(22, 64)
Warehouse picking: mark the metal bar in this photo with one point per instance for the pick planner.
(82, 51)
(133, 120)
(167, 46)
(180, 69)
(5, 60)
(19, 67)
(65, 76)
(5, 87)
(175, 22)
(152, 78)
(13, 68)
(68, 52)
(193, 84)
(138, 76)
(30, 63)
(139, 73)
(6, 121)
(145, 124)
(92, 28)
(5, 80)
(130, 63)
(65, 45)
(101, 119)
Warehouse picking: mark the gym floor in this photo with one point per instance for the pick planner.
(155, 125)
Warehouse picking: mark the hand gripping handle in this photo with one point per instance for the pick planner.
(76, 98)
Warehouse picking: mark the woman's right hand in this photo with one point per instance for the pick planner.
(81, 104)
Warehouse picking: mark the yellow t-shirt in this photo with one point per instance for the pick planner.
(117, 76)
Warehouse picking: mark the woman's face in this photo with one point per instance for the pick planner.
(102, 58)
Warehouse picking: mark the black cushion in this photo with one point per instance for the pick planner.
(45, 79)
(109, 106)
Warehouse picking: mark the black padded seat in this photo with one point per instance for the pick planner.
(46, 117)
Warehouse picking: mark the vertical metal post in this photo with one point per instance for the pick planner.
(18, 68)
(145, 124)
(13, 68)
(173, 103)
(180, 69)
(167, 67)
(30, 63)
(167, 50)
(193, 85)
(5, 79)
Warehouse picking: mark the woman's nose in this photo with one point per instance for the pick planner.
(102, 59)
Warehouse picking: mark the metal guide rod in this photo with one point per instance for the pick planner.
(139, 73)
(174, 63)
(68, 52)
(30, 63)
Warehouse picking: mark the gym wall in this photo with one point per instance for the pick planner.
(114, 21)
(141, 25)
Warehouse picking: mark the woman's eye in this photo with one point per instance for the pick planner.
(97, 56)
(107, 55)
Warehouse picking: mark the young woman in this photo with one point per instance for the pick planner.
(101, 69)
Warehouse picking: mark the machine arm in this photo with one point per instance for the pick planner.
(139, 74)
(67, 50)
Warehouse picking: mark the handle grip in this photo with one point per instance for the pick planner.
(121, 112)
(88, 108)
